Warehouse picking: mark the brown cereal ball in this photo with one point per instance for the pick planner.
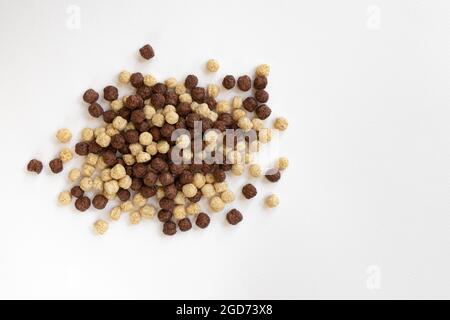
(137, 79)
(83, 203)
(198, 94)
(202, 220)
(261, 96)
(147, 52)
(184, 224)
(169, 228)
(191, 81)
(273, 175)
(263, 112)
(244, 83)
(164, 215)
(166, 178)
(260, 82)
(77, 192)
(99, 201)
(90, 96)
(56, 165)
(219, 175)
(249, 191)
(110, 93)
(35, 166)
(100, 227)
(234, 217)
(167, 204)
(250, 104)
(212, 65)
(228, 82)
(95, 110)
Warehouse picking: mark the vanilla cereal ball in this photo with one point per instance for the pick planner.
(237, 102)
(183, 141)
(258, 124)
(179, 212)
(265, 135)
(115, 213)
(126, 206)
(282, 163)
(86, 184)
(97, 184)
(98, 131)
(100, 227)
(124, 77)
(109, 196)
(143, 157)
(74, 174)
(238, 114)
(170, 83)
(152, 148)
(87, 135)
(149, 80)
(110, 130)
(125, 182)
(63, 135)
(220, 187)
(87, 170)
(212, 65)
(212, 90)
(189, 190)
(167, 109)
(163, 147)
(263, 70)
(255, 170)
(208, 190)
(92, 159)
(111, 187)
(135, 217)
(145, 138)
(237, 169)
(216, 204)
(105, 175)
(130, 126)
(129, 159)
(172, 117)
(64, 198)
(103, 140)
(118, 172)
(149, 112)
(65, 155)
(160, 193)
(193, 209)
(147, 211)
(213, 116)
(116, 105)
(280, 123)
(223, 107)
(119, 123)
(227, 196)
(272, 201)
(139, 200)
(180, 89)
(158, 120)
(199, 180)
(185, 97)
(209, 178)
(135, 148)
(245, 123)
(180, 198)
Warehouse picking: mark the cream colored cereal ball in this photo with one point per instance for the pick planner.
(135, 148)
(209, 178)
(199, 180)
(115, 213)
(116, 105)
(180, 198)
(92, 159)
(185, 97)
(139, 200)
(64, 198)
(255, 170)
(193, 209)
(208, 190)
(147, 211)
(135, 217)
(97, 184)
(171, 82)
(74, 174)
(86, 184)
(281, 123)
(126, 206)
(189, 190)
(237, 169)
(163, 147)
(124, 77)
(130, 126)
(149, 112)
(216, 204)
(119, 123)
(110, 197)
(87, 135)
(150, 80)
(63, 135)
(212, 90)
(152, 148)
(98, 131)
(158, 120)
(227, 196)
(183, 141)
(212, 65)
(237, 102)
(111, 187)
(272, 201)
(282, 163)
(65, 155)
(179, 212)
(143, 157)
(105, 175)
(129, 159)
(118, 172)
(100, 227)
(223, 107)
(167, 109)
(172, 117)
(160, 193)
(220, 187)
(263, 70)
(238, 114)
(87, 170)
(125, 182)
(265, 135)
(111, 131)
(258, 124)
(103, 140)
(180, 89)
(101, 164)
(245, 124)
(145, 138)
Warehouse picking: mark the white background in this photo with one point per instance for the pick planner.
(364, 205)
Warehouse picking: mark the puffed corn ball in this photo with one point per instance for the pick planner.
(280, 123)
(126, 206)
(147, 211)
(171, 83)
(172, 117)
(150, 80)
(103, 140)
(64, 198)
(149, 112)
(101, 164)
(152, 148)
(163, 147)
(209, 178)
(189, 190)
(179, 212)
(86, 184)
(227, 196)
(87, 135)
(220, 187)
(116, 105)
(98, 131)
(180, 198)
(158, 120)
(255, 170)
(111, 187)
(119, 123)
(208, 190)
(129, 159)
(216, 204)
(193, 209)
(282, 163)
(185, 97)
(65, 155)
(135, 217)
(105, 175)
(100, 227)
(124, 77)
(272, 201)
(115, 213)
(145, 138)
(118, 172)
(135, 148)
(92, 159)
(212, 65)
(237, 169)
(212, 90)
(63, 135)
(143, 157)
(87, 170)
(139, 200)
(223, 107)
(180, 89)
(245, 123)
(199, 180)
(97, 184)
(125, 182)
(258, 124)
(238, 114)
(74, 174)
(263, 70)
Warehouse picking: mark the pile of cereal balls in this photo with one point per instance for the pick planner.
(173, 141)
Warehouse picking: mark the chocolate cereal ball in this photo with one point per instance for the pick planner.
(83, 203)
(234, 216)
(261, 96)
(137, 79)
(35, 166)
(263, 112)
(95, 110)
(90, 96)
(249, 191)
(244, 83)
(202, 220)
(76, 192)
(99, 201)
(191, 81)
(228, 82)
(260, 82)
(164, 215)
(184, 224)
(110, 93)
(56, 165)
(250, 104)
(273, 175)
(169, 228)
(147, 52)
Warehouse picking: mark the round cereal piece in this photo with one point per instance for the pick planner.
(212, 90)
(180, 89)
(180, 198)
(262, 70)
(272, 201)
(87, 170)
(124, 77)
(63, 135)
(183, 141)
(115, 213)
(158, 120)
(245, 124)
(143, 157)
(86, 184)
(208, 190)
(135, 217)
(172, 117)
(179, 212)
(103, 140)
(237, 169)
(111, 187)
(258, 124)
(237, 102)
(87, 135)
(171, 82)
(149, 112)
(92, 159)
(97, 184)
(265, 135)
(126, 206)
(280, 123)
(220, 187)
(125, 182)
(118, 172)
(189, 190)
(234, 217)
(163, 147)
(152, 148)
(193, 209)
(185, 97)
(238, 114)
(147, 211)
(116, 105)
(119, 123)
(100, 227)
(216, 204)
(199, 180)
(249, 191)
(212, 65)
(255, 170)
(150, 80)
(209, 178)
(139, 200)
(282, 163)
(105, 175)
(74, 174)
(64, 198)
(227, 196)
(129, 159)
(135, 148)
(223, 107)
(145, 138)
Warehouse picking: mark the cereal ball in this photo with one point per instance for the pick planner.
(185, 224)
(237, 169)
(237, 102)
(208, 190)
(126, 206)
(272, 201)
(74, 174)
(179, 212)
(63, 135)
(163, 147)
(227, 196)
(149, 80)
(167, 109)
(228, 82)
(180, 198)
(64, 198)
(220, 187)
(115, 213)
(92, 159)
(199, 180)
(118, 172)
(193, 209)
(145, 138)
(216, 204)
(111, 131)
(124, 77)
(103, 140)
(158, 120)
(238, 114)
(100, 227)
(255, 170)
(65, 155)
(282, 163)
(189, 190)
(249, 191)
(258, 124)
(185, 97)
(135, 148)
(143, 157)
(119, 123)
(135, 217)
(223, 107)
(183, 141)
(172, 117)
(152, 148)
(234, 217)
(86, 184)
(180, 89)
(209, 178)
(98, 131)
(170, 83)
(97, 184)
(139, 200)
(149, 112)
(245, 124)
(87, 134)
(212, 65)
(129, 159)
(87, 170)
(263, 70)
(159, 193)
(265, 135)
(116, 105)
(105, 175)
(111, 187)
(202, 220)
(280, 123)
(212, 90)
(147, 211)
(273, 175)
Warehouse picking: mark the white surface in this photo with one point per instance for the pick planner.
(364, 207)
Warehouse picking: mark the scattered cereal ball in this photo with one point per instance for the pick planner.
(65, 155)
(263, 70)
(179, 212)
(149, 80)
(129, 159)
(158, 120)
(63, 135)
(100, 226)
(92, 159)
(238, 114)
(163, 147)
(171, 83)
(258, 124)
(280, 123)
(199, 180)
(149, 112)
(101, 164)
(180, 198)
(124, 77)
(255, 170)
(135, 148)
(87, 134)
(216, 204)
(189, 190)
(245, 123)
(180, 89)
(220, 187)
(183, 141)
(74, 174)
(139, 200)
(168, 108)
(98, 131)
(147, 211)
(116, 105)
(193, 209)
(265, 135)
(227, 196)
(212, 65)
(212, 90)
(87, 170)
(185, 97)
(105, 175)
(272, 201)
(152, 149)
(118, 172)
(125, 182)
(119, 123)
(135, 217)
(98, 184)
(111, 187)
(86, 184)
(160, 193)
(111, 131)
(237, 102)
(237, 169)
(145, 138)
(64, 198)
(103, 140)
(115, 213)
(282, 163)
(208, 190)
(172, 117)
(223, 107)
(126, 206)
(143, 157)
